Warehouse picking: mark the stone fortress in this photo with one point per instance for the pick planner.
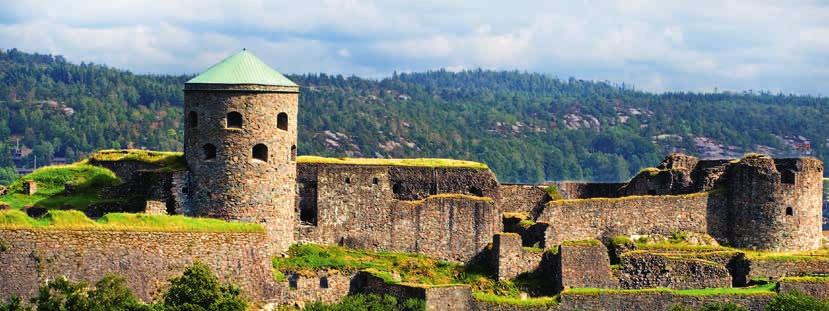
(240, 148)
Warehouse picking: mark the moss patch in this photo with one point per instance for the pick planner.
(761, 289)
(516, 301)
(805, 279)
(75, 220)
(170, 161)
(581, 243)
(627, 198)
(416, 162)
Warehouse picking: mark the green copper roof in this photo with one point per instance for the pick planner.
(242, 68)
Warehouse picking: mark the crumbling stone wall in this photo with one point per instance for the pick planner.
(777, 268)
(510, 259)
(655, 300)
(438, 298)
(146, 259)
(607, 217)
(776, 203)
(228, 181)
(817, 289)
(528, 199)
(581, 190)
(582, 264)
(648, 270)
(355, 205)
(327, 286)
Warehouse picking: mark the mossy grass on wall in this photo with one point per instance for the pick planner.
(805, 279)
(173, 161)
(766, 288)
(86, 182)
(76, 220)
(547, 301)
(417, 162)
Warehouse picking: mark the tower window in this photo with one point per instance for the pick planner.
(375, 181)
(324, 282)
(234, 120)
(397, 188)
(193, 119)
(476, 191)
(282, 121)
(260, 152)
(787, 177)
(348, 180)
(209, 151)
(293, 153)
(789, 211)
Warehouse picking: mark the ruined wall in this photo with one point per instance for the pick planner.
(438, 298)
(817, 289)
(325, 286)
(580, 190)
(602, 217)
(777, 268)
(776, 204)
(146, 259)
(529, 199)
(355, 206)
(510, 259)
(646, 270)
(655, 300)
(582, 265)
(227, 181)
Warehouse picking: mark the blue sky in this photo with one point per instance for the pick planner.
(654, 45)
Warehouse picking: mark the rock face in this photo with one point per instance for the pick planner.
(240, 146)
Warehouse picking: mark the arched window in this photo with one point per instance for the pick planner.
(348, 180)
(209, 151)
(293, 153)
(476, 191)
(789, 211)
(193, 119)
(282, 121)
(260, 152)
(375, 181)
(234, 120)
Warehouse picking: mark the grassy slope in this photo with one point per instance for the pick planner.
(165, 160)
(87, 180)
(75, 220)
(418, 162)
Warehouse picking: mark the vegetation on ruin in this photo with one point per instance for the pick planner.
(553, 192)
(797, 302)
(416, 162)
(86, 182)
(765, 288)
(651, 171)
(806, 279)
(711, 306)
(168, 161)
(628, 198)
(451, 196)
(546, 301)
(581, 243)
(197, 289)
(76, 220)
(821, 254)
(371, 302)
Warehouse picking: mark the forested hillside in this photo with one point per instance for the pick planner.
(527, 127)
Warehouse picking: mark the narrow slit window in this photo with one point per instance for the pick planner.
(789, 211)
(293, 153)
(193, 119)
(209, 151)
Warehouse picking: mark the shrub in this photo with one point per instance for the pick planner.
(796, 302)
(110, 294)
(198, 289)
(370, 302)
(13, 304)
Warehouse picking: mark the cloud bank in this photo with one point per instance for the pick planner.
(653, 45)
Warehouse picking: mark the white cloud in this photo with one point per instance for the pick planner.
(656, 45)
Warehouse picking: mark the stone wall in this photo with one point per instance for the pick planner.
(510, 259)
(478, 305)
(817, 289)
(580, 190)
(355, 205)
(146, 259)
(327, 286)
(227, 180)
(528, 199)
(582, 265)
(777, 268)
(647, 270)
(438, 298)
(599, 218)
(655, 300)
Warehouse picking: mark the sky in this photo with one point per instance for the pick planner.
(652, 45)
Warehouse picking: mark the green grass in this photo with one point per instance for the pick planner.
(451, 196)
(172, 161)
(581, 243)
(805, 279)
(87, 180)
(547, 301)
(552, 191)
(416, 162)
(412, 268)
(76, 220)
(760, 289)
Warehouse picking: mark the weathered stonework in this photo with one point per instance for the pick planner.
(327, 286)
(582, 265)
(775, 268)
(649, 301)
(244, 171)
(647, 270)
(29, 187)
(817, 289)
(146, 259)
(438, 298)
(510, 259)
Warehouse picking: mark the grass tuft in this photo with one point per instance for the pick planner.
(172, 161)
(416, 162)
(76, 220)
(546, 301)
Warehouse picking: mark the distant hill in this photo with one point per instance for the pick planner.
(528, 127)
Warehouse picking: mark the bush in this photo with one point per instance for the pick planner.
(110, 294)
(198, 289)
(13, 304)
(796, 302)
(370, 302)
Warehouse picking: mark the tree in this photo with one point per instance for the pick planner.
(198, 289)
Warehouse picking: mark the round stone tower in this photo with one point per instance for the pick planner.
(240, 145)
(776, 203)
